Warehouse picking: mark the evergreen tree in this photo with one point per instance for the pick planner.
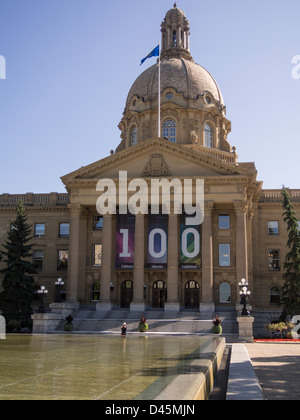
(18, 283)
(290, 294)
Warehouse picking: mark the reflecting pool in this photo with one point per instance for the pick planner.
(107, 367)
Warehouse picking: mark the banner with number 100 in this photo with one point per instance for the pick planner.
(125, 241)
(157, 243)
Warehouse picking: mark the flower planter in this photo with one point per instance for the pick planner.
(143, 327)
(217, 329)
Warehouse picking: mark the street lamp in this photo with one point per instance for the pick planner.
(245, 294)
(58, 284)
(43, 291)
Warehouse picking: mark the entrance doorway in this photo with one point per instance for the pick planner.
(159, 294)
(192, 295)
(126, 293)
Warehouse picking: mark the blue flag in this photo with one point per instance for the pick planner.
(154, 53)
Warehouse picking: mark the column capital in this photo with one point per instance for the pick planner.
(209, 207)
(240, 207)
(251, 213)
(77, 209)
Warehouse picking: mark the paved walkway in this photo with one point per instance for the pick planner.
(277, 367)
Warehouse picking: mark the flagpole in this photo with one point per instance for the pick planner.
(159, 99)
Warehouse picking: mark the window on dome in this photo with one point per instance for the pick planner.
(169, 130)
(174, 39)
(169, 95)
(209, 135)
(133, 136)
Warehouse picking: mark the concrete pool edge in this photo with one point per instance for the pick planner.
(196, 386)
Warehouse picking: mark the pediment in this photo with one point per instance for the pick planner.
(156, 158)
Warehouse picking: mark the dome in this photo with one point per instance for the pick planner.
(190, 102)
(184, 76)
(175, 13)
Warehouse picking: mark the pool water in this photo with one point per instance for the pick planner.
(74, 367)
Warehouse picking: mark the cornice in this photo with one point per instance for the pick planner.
(238, 180)
(35, 209)
(276, 204)
(159, 146)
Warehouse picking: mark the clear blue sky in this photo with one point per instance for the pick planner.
(71, 63)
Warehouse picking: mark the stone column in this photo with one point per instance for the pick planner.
(105, 303)
(172, 304)
(241, 210)
(74, 257)
(168, 40)
(138, 303)
(207, 301)
(187, 39)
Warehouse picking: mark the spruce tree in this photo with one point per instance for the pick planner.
(18, 283)
(290, 294)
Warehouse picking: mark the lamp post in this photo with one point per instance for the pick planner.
(58, 284)
(245, 294)
(43, 291)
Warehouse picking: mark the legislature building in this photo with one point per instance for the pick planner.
(155, 259)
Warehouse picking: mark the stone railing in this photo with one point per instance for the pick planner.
(215, 153)
(270, 196)
(30, 199)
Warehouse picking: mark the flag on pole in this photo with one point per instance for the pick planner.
(154, 53)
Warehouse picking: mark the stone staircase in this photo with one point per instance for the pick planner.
(92, 322)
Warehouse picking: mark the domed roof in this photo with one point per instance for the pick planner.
(175, 13)
(184, 76)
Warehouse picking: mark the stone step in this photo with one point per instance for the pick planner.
(158, 321)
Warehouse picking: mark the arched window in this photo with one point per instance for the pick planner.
(174, 39)
(209, 135)
(192, 285)
(133, 136)
(275, 295)
(225, 293)
(95, 292)
(169, 130)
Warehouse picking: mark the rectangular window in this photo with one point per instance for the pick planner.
(39, 230)
(224, 255)
(62, 260)
(98, 222)
(97, 255)
(274, 259)
(38, 260)
(64, 230)
(273, 228)
(224, 221)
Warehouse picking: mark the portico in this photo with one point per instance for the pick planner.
(170, 280)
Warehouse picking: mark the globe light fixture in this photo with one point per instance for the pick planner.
(43, 291)
(58, 284)
(245, 295)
